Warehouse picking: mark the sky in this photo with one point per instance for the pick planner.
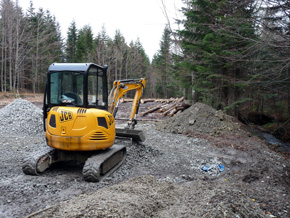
(143, 19)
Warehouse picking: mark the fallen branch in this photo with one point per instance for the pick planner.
(38, 212)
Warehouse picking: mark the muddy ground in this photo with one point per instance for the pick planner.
(165, 176)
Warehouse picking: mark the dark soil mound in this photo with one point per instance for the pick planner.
(201, 119)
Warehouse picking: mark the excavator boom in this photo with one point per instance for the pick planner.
(120, 88)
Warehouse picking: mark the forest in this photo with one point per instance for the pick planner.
(232, 55)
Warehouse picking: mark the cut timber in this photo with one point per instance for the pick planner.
(168, 110)
(180, 99)
(167, 107)
(126, 100)
(180, 108)
(162, 100)
(143, 101)
(162, 108)
(172, 112)
(178, 112)
(151, 110)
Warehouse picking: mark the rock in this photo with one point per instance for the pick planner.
(219, 114)
(191, 122)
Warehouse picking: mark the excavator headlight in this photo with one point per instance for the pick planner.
(102, 122)
(52, 121)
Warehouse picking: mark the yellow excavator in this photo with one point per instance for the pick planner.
(79, 120)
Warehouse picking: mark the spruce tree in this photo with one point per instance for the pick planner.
(84, 45)
(163, 65)
(71, 42)
(45, 46)
(215, 37)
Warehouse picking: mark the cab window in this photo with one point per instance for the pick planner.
(95, 87)
(66, 88)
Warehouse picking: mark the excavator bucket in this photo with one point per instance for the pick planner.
(136, 135)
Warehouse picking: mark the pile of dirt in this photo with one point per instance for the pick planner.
(21, 117)
(144, 196)
(201, 119)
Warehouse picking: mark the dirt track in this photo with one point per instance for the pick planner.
(255, 181)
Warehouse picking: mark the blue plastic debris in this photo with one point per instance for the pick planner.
(222, 168)
(207, 168)
(218, 167)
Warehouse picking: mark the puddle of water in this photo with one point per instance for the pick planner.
(283, 147)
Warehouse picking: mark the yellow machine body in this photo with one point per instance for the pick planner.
(79, 129)
(77, 117)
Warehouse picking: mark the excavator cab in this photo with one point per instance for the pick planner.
(76, 85)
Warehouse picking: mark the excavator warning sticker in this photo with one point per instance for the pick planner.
(65, 115)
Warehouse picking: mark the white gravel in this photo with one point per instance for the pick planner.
(21, 118)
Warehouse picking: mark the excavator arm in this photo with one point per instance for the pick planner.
(120, 88)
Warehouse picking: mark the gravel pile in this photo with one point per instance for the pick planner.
(21, 118)
(144, 196)
(201, 119)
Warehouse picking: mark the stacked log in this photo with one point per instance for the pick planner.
(165, 107)
(168, 107)
(151, 110)
(126, 100)
(143, 101)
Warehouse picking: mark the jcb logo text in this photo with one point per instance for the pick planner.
(65, 116)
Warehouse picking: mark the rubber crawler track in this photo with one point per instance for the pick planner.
(30, 163)
(91, 169)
